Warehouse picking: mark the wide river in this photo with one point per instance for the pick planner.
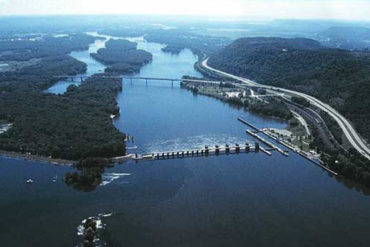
(236, 200)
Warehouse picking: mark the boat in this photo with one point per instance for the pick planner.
(29, 181)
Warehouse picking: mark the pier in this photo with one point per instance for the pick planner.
(249, 124)
(273, 147)
(267, 143)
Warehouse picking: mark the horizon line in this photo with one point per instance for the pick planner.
(234, 17)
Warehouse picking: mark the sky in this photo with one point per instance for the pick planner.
(273, 9)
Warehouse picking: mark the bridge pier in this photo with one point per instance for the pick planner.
(227, 149)
(217, 150)
(206, 150)
(247, 147)
(256, 147)
(237, 148)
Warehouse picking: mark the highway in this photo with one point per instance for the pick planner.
(353, 137)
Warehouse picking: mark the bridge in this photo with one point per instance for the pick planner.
(131, 78)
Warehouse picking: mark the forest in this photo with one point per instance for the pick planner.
(274, 108)
(176, 39)
(122, 56)
(338, 77)
(39, 76)
(71, 126)
(173, 49)
(23, 49)
(198, 44)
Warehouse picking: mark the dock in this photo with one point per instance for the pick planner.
(249, 124)
(274, 147)
(267, 143)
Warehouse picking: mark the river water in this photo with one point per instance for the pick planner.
(92, 66)
(236, 200)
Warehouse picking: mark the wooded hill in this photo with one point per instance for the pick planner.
(338, 77)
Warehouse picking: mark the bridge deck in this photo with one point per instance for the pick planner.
(141, 78)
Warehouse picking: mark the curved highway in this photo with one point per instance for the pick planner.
(353, 137)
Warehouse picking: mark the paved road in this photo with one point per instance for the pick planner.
(302, 121)
(317, 123)
(353, 137)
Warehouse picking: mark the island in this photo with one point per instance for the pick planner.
(122, 56)
(173, 49)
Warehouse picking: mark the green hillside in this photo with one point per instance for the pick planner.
(338, 77)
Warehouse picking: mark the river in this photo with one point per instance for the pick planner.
(236, 200)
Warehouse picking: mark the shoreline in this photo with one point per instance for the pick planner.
(37, 158)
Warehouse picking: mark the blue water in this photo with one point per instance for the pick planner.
(236, 200)
(163, 117)
(93, 67)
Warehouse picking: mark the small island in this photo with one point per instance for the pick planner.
(122, 56)
(173, 49)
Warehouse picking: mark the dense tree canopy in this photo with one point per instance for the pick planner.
(338, 77)
(43, 46)
(122, 56)
(71, 126)
(173, 49)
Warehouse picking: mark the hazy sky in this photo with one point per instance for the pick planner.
(325, 9)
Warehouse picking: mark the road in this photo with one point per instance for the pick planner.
(302, 121)
(317, 123)
(353, 137)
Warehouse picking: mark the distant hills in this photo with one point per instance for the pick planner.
(346, 37)
(338, 77)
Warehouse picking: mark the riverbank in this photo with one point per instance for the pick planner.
(252, 99)
(263, 102)
(353, 165)
(32, 157)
